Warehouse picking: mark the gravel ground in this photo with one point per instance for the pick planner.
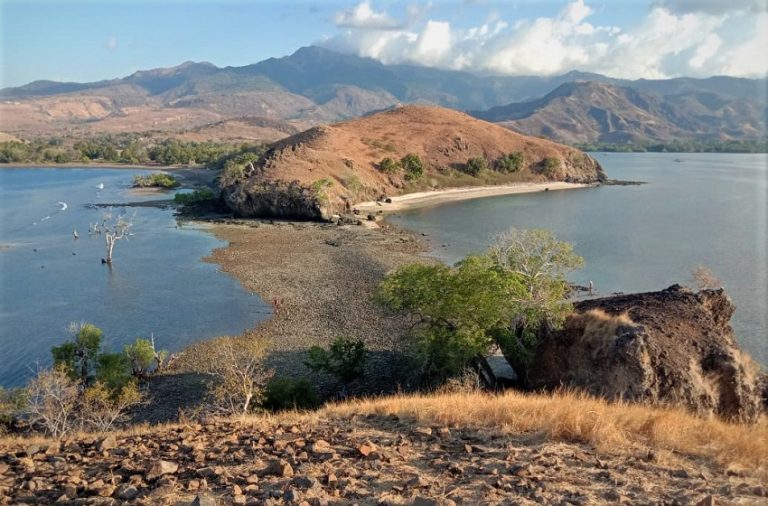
(324, 276)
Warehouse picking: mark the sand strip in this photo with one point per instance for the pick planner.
(431, 198)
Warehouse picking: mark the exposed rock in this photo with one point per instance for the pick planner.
(162, 467)
(672, 346)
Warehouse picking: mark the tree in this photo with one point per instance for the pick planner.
(101, 408)
(413, 166)
(455, 310)
(142, 357)
(345, 359)
(78, 356)
(504, 297)
(113, 232)
(237, 364)
(52, 401)
(475, 166)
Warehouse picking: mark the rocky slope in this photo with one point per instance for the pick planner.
(383, 455)
(669, 347)
(599, 112)
(346, 157)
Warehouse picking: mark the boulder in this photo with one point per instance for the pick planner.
(669, 347)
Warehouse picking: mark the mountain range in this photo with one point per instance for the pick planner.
(316, 86)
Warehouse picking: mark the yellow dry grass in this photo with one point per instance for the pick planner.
(611, 427)
(570, 416)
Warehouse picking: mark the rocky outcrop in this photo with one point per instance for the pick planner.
(274, 199)
(669, 347)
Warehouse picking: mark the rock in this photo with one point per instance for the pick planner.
(306, 482)
(279, 468)
(321, 446)
(291, 496)
(366, 448)
(673, 346)
(160, 468)
(706, 501)
(107, 443)
(203, 500)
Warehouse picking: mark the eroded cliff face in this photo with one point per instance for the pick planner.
(289, 200)
(669, 347)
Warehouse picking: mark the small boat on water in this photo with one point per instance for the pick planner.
(100, 186)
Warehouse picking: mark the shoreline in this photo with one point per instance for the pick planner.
(86, 165)
(430, 198)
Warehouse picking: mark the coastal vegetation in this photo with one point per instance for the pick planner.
(510, 162)
(344, 360)
(127, 148)
(195, 197)
(475, 166)
(413, 166)
(502, 297)
(155, 180)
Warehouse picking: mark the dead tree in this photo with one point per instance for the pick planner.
(113, 232)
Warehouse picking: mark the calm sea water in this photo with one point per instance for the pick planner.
(698, 209)
(157, 284)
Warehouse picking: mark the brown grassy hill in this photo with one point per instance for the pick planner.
(348, 155)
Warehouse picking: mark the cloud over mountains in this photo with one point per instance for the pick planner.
(675, 38)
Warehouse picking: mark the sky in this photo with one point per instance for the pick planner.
(84, 41)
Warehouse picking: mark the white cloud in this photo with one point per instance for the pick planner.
(111, 43)
(668, 42)
(363, 16)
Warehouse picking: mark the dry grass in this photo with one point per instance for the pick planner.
(600, 328)
(612, 428)
(570, 416)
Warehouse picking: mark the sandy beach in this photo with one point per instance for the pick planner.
(431, 198)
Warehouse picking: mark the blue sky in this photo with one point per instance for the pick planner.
(89, 40)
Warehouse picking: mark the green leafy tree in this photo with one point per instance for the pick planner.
(475, 166)
(504, 297)
(413, 167)
(142, 357)
(78, 357)
(344, 359)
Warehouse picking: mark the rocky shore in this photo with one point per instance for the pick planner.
(323, 277)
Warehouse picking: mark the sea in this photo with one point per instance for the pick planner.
(694, 210)
(157, 286)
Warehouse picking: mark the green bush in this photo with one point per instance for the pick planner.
(549, 166)
(475, 166)
(194, 197)
(511, 162)
(288, 393)
(413, 166)
(156, 180)
(389, 166)
(345, 359)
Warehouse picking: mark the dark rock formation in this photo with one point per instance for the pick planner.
(274, 199)
(669, 347)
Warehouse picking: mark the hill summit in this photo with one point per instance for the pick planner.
(327, 169)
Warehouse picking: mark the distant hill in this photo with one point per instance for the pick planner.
(311, 86)
(344, 161)
(582, 112)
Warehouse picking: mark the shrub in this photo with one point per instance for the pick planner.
(78, 356)
(413, 167)
(389, 166)
(511, 162)
(288, 393)
(52, 400)
(156, 180)
(705, 279)
(475, 166)
(142, 357)
(345, 359)
(237, 365)
(196, 196)
(101, 408)
(549, 166)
